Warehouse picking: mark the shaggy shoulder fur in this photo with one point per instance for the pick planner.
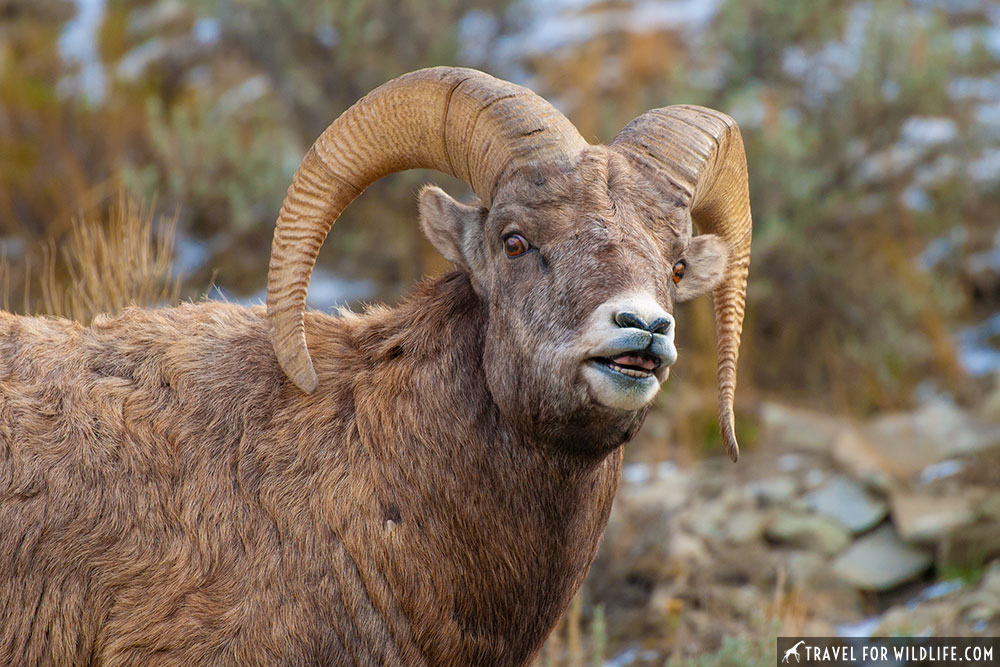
(167, 496)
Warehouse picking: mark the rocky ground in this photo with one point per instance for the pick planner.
(829, 526)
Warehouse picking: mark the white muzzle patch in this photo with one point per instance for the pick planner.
(627, 349)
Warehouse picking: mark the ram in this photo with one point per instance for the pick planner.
(427, 484)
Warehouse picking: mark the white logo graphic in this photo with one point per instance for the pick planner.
(793, 651)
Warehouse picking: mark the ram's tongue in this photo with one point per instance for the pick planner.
(635, 361)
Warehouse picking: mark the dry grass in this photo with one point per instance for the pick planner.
(574, 643)
(109, 267)
(788, 610)
(101, 267)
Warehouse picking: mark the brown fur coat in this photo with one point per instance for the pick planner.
(168, 497)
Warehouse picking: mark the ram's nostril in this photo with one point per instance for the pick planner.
(629, 320)
(661, 325)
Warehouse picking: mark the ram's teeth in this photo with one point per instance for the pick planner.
(631, 372)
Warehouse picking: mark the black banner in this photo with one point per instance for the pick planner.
(887, 651)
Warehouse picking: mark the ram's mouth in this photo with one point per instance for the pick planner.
(635, 364)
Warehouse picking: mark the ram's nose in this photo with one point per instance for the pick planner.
(654, 320)
(653, 327)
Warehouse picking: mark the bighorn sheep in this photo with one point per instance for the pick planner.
(213, 484)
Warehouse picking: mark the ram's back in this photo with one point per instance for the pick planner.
(146, 474)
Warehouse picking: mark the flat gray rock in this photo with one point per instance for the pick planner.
(773, 490)
(880, 561)
(928, 518)
(810, 531)
(802, 429)
(744, 526)
(848, 503)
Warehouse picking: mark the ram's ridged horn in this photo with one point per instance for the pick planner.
(458, 121)
(697, 154)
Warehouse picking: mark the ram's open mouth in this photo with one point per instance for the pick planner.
(634, 364)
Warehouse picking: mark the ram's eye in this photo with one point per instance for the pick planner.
(679, 268)
(515, 244)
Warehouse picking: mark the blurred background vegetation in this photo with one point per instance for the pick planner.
(872, 131)
(872, 134)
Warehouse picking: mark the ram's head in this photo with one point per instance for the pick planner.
(578, 252)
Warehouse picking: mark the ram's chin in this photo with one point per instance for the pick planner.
(614, 389)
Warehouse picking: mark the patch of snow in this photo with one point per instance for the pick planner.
(824, 71)
(631, 656)
(941, 470)
(327, 292)
(545, 28)
(11, 247)
(476, 32)
(916, 199)
(636, 473)
(942, 248)
(890, 90)
(666, 469)
(190, 254)
(929, 391)
(967, 39)
(988, 115)
(986, 261)
(973, 88)
(815, 477)
(938, 171)
(865, 628)
(928, 131)
(78, 46)
(991, 41)
(976, 352)
(328, 36)
(748, 111)
(890, 162)
(790, 462)
(953, 6)
(206, 30)
(986, 167)
(936, 590)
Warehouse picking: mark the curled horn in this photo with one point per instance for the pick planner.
(458, 121)
(697, 154)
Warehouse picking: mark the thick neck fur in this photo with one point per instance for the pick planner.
(167, 495)
(485, 532)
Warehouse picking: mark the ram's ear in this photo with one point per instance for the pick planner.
(706, 259)
(455, 229)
